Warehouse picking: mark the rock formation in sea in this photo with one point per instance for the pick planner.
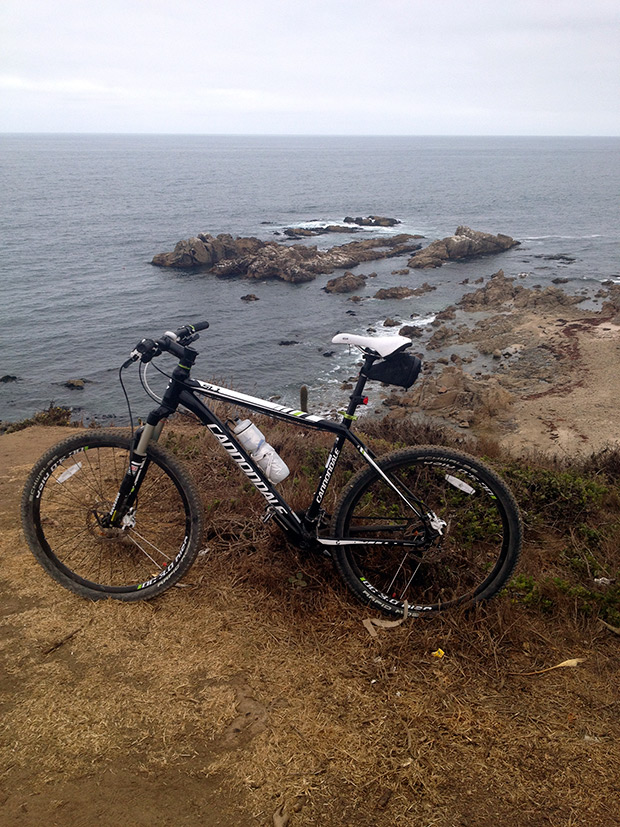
(400, 292)
(345, 284)
(251, 258)
(465, 243)
(372, 221)
(323, 229)
(311, 232)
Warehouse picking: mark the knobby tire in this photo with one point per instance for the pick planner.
(75, 483)
(469, 563)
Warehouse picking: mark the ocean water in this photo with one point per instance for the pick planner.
(81, 216)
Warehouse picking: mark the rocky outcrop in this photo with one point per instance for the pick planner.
(611, 307)
(411, 331)
(253, 259)
(204, 251)
(345, 284)
(372, 221)
(456, 396)
(423, 288)
(394, 293)
(496, 292)
(500, 291)
(465, 243)
(311, 232)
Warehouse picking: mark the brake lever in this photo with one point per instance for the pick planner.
(133, 357)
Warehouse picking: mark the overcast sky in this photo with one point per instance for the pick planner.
(454, 67)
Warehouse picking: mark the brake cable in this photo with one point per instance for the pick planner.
(120, 379)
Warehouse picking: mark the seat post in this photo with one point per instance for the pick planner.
(357, 397)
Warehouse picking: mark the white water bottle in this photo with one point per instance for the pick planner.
(265, 456)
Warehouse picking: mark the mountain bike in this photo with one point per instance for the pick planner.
(418, 531)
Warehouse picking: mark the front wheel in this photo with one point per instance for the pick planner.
(451, 536)
(75, 484)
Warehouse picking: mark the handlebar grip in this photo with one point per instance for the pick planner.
(190, 330)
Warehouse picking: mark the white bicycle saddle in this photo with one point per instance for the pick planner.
(383, 345)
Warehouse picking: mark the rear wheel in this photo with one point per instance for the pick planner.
(70, 490)
(470, 561)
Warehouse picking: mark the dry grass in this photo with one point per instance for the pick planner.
(243, 675)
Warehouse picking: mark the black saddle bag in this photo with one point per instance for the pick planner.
(398, 369)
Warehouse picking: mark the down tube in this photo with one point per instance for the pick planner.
(238, 454)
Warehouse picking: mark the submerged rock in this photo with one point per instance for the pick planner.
(307, 232)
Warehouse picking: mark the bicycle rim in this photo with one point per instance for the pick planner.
(66, 499)
(470, 561)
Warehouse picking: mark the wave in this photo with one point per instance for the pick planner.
(561, 237)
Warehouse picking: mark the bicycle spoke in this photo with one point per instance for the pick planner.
(456, 554)
(85, 554)
(133, 531)
(146, 554)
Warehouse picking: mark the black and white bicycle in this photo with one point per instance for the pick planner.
(420, 530)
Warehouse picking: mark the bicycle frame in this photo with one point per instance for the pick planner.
(184, 391)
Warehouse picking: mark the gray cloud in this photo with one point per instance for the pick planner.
(328, 66)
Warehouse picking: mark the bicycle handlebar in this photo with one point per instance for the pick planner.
(190, 329)
(173, 342)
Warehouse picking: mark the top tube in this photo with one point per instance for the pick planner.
(254, 402)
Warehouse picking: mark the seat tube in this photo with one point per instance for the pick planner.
(348, 416)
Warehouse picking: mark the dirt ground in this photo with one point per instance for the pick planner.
(579, 415)
(245, 698)
(76, 748)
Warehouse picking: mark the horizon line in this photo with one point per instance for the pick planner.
(307, 134)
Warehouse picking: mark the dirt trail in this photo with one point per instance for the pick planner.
(63, 693)
(241, 695)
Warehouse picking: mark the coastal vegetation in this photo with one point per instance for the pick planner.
(258, 681)
(52, 415)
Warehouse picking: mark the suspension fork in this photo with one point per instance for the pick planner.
(138, 461)
(138, 464)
